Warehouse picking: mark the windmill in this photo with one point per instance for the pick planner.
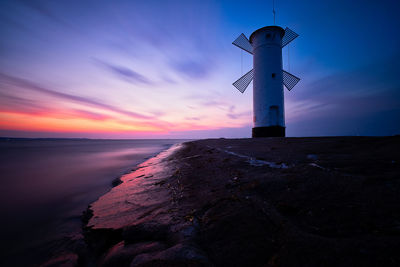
(265, 44)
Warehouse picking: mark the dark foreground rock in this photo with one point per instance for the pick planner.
(331, 201)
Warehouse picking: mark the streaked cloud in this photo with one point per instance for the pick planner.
(4, 78)
(232, 114)
(346, 102)
(165, 68)
(192, 118)
(192, 69)
(124, 73)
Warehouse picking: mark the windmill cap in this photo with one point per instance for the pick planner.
(271, 28)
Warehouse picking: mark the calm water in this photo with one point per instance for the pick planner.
(47, 184)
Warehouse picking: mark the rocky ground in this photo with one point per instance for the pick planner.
(331, 201)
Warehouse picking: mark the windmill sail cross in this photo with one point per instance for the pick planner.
(243, 82)
(243, 43)
(288, 37)
(289, 80)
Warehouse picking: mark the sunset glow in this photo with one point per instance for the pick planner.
(165, 70)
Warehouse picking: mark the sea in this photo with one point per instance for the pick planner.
(47, 184)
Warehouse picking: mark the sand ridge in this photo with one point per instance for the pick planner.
(329, 201)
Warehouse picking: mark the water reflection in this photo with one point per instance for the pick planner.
(46, 184)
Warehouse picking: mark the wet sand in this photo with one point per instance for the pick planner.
(331, 201)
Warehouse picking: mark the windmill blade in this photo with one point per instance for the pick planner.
(244, 81)
(289, 80)
(288, 37)
(243, 43)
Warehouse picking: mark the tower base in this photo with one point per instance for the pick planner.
(270, 131)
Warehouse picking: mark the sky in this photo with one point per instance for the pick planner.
(164, 69)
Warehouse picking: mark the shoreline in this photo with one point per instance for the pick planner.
(126, 213)
(61, 239)
(268, 201)
(76, 251)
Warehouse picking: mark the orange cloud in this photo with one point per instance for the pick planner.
(43, 122)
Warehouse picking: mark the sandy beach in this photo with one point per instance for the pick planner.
(329, 201)
(199, 133)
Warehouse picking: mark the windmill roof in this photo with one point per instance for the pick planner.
(268, 27)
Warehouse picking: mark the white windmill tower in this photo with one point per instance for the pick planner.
(266, 45)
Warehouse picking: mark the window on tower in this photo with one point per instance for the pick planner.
(273, 75)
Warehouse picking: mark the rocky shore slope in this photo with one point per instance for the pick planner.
(332, 201)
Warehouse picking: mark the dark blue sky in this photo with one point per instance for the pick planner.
(129, 69)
